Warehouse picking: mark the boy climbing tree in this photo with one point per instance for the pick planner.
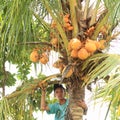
(59, 108)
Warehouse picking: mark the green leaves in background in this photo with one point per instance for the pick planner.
(10, 79)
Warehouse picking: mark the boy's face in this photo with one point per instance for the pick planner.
(59, 93)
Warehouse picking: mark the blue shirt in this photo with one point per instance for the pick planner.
(58, 110)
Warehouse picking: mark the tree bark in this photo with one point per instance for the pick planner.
(76, 93)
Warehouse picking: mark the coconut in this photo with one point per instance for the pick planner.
(76, 44)
(34, 56)
(83, 54)
(44, 58)
(90, 46)
(67, 25)
(70, 28)
(54, 41)
(98, 45)
(66, 19)
(74, 53)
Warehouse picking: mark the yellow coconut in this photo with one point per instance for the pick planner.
(67, 25)
(67, 15)
(34, 56)
(69, 45)
(44, 58)
(90, 46)
(83, 54)
(74, 54)
(90, 40)
(66, 19)
(70, 28)
(76, 44)
(54, 41)
(98, 45)
(90, 31)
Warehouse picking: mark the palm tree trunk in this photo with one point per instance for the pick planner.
(76, 93)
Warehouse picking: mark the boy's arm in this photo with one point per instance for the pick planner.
(83, 105)
(44, 106)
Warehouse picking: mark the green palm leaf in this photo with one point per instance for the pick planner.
(110, 92)
(102, 65)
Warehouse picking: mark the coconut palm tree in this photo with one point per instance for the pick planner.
(79, 30)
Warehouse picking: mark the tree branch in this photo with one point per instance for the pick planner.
(32, 86)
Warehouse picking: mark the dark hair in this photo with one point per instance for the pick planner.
(58, 86)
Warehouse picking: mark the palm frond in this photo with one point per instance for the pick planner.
(105, 64)
(109, 92)
(73, 6)
(115, 7)
(4, 109)
(55, 14)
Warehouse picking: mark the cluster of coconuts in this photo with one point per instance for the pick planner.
(83, 50)
(36, 57)
(66, 23)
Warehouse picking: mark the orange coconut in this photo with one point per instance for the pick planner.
(74, 54)
(70, 28)
(67, 16)
(90, 46)
(98, 45)
(66, 19)
(54, 41)
(90, 31)
(76, 44)
(34, 56)
(67, 25)
(44, 58)
(83, 54)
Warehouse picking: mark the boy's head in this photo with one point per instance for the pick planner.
(59, 91)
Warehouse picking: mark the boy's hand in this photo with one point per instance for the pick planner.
(82, 104)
